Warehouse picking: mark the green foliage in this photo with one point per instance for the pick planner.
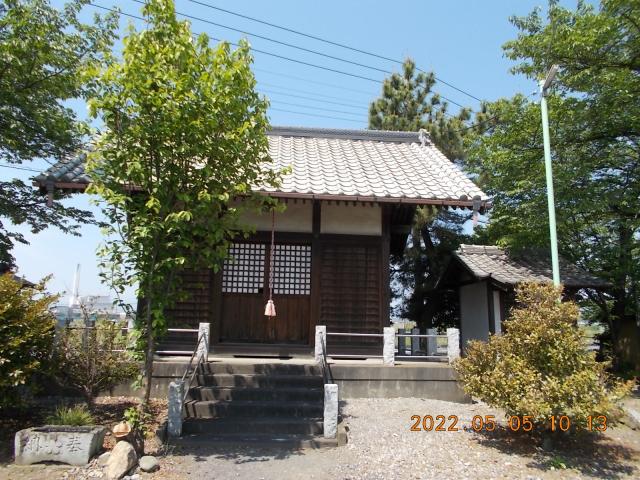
(95, 359)
(595, 140)
(408, 103)
(540, 366)
(139, 419)
(43, 53)
(184, 139)
(77, 416)
(27, 330)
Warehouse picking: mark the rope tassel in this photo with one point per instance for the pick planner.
(270, 307)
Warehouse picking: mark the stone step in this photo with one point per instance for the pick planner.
(221, 408)
(258, 440)
(252, 426)
(260, 368)
(258, 380)
(256, 394)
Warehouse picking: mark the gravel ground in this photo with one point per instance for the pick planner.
(381, 446)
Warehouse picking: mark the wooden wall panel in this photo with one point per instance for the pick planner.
(198, 305)
(350, 290)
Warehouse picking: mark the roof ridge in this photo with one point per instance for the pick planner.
(346, 134)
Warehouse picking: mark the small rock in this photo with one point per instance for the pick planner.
(122, 459)
(104, 458)
(149, 463)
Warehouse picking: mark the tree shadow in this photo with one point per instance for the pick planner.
(592, 454)
(239, 454)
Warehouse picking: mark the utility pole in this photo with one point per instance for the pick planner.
(544, 86)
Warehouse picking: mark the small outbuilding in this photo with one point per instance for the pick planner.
(486, 276)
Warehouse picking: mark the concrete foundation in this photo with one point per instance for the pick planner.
(355, 378)
(437, 381)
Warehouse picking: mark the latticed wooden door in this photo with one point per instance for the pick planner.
(245, 290)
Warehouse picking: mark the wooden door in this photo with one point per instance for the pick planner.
(245, 291)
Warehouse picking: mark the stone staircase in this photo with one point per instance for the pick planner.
(256, 403)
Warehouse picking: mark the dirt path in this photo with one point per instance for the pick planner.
(381, 446)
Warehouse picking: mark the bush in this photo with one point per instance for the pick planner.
(95, 359)
(540, 366)
(77, 416)
(27, 329)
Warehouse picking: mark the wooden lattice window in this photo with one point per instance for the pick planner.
(243, 270)
(292, 270)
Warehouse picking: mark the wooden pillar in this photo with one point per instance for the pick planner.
(316, 259)
(385, 280)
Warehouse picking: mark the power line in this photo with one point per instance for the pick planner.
(280, 102)
(308, 50)
(21, 168)
(316, 82)
(271, 54)
(307, 91)
(313, 99)
(316, 115)
(330, 42)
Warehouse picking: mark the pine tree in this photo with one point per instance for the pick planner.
(408, 103)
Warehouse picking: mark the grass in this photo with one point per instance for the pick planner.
(77, 416)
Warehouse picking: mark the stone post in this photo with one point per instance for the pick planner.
(388, 346)
(401, 342)
(203, 347)
(453, 344)
(330, 425)
(432, 342)
(321, 339)
(415, 341)
(174, 417)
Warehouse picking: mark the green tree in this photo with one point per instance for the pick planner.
(408, 103)
(27, 330)
(595, 136)
(540, 366)
(43, 53)
(184, 138)
(93, 358)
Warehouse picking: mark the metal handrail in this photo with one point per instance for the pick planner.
(419, 336)
(345, 334)
(200, 360)
(326, 369)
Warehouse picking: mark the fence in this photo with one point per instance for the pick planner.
(198, 332)
(390, 338)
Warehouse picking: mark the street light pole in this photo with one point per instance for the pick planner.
(544, 86)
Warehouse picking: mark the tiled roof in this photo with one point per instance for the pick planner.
(351, 164)
(495, 263)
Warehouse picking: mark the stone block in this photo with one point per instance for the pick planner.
(58, 443)
(321, 338)
(330, 410)
(174, 415)
(388, 346)
(122, 460)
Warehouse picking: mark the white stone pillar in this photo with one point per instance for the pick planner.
(174, 416)
(388, 346)
(321, 339)
(330, 425)
(203, 346)
(453, 344)
(432, 342)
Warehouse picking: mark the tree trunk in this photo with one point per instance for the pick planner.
(148, 364)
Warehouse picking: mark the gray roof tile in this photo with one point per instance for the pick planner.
(494, 262)
(352, 163)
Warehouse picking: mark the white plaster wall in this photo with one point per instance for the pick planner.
(349, 219)
(298, 217)
(474, 313)
(497, 313)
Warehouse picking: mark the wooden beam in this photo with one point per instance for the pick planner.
(385, 280)
(316, 259)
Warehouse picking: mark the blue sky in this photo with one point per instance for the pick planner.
(459, 40)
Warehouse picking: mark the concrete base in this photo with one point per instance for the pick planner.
(355, 378)
(437, 381)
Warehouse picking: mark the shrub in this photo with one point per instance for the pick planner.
(540, 366)
(93, 359)
(27, 329)
(76, 416)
